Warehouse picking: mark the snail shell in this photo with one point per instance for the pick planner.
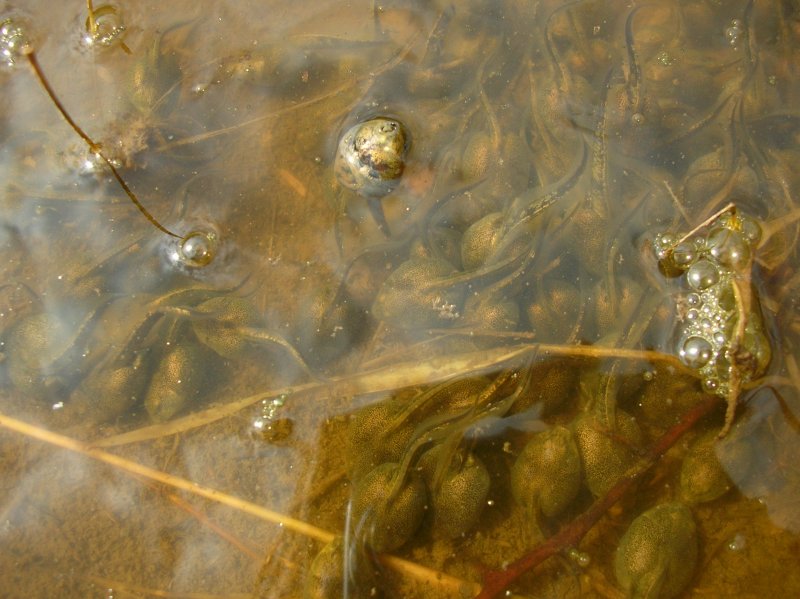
(371, 157)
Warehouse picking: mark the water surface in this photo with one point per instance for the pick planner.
(391, 383)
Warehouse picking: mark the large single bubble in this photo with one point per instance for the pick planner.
(695, 352)
(702, 275)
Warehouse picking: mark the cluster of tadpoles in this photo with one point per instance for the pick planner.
(495, 582)
(198, 248)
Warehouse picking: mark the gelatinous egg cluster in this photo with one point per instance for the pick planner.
(715, 269)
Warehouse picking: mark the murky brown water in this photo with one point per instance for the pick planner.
(529, 328)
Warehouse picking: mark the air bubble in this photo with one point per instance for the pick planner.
(13, 41)
(737, 543)
(729, 248)
(683, 255)
(702, 275)
(580, 557)
(665, 59)
(198, 248)
(696, 352)
(750, 229)
(663, 244)
(104, 28)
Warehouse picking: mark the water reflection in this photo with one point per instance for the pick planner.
(490, 350)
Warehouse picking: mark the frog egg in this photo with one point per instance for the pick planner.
(198, 248)
(729, 248)
(695, 352)
(702, 275)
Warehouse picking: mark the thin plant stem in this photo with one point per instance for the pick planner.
(92, 22)
(389, 378)
(429, 576)
(730, 207)
(94, 147)
(175, 482)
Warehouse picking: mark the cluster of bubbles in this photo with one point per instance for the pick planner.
(721, 332)
(734, 32)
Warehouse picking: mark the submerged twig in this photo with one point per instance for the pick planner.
(90, 18)
(729, 207)
(176, 482)
(496, 581)
(386, 379)
(422, 573)
(389, 378)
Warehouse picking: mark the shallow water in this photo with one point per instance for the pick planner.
(526, 347)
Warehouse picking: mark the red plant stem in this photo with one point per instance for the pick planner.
(497, 581)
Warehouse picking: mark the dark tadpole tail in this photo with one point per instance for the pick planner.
(376, 208)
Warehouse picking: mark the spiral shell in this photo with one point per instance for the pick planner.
(371, 157)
